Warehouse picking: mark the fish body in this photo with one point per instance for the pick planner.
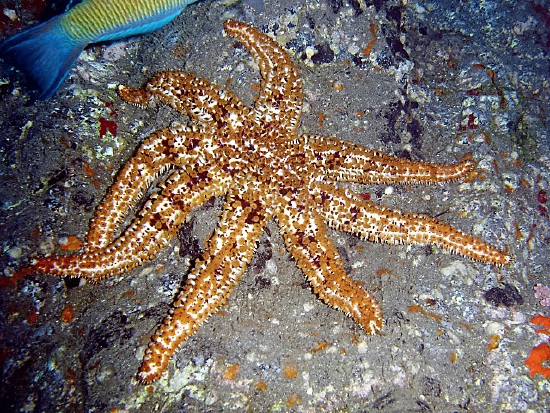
(47, 52)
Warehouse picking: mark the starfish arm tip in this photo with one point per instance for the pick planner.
(139, 97)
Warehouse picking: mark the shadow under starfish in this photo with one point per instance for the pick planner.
(255, 158)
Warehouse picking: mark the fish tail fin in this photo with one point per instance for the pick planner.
(45, 53)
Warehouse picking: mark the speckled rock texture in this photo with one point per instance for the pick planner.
(428, 80)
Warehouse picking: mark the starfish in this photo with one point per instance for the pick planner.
(256, 159)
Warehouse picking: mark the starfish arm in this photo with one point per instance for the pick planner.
(381, 224)
(147, 235)
(210, 283)
(280, 100)
(344, 161)
(307, 240)
(152, 159)
(194, 96)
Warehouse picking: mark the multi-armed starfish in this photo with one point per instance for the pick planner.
(256, 159)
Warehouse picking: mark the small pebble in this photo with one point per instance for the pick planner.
(14, 253)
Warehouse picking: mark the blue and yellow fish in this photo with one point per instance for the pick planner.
(47, 52)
